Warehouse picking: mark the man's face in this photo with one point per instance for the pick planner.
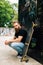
(16, 26)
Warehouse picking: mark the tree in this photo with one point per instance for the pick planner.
(6, 13)
(15, 7)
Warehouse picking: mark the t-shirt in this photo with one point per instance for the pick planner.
(23, 33)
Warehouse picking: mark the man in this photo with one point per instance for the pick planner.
(19, 40)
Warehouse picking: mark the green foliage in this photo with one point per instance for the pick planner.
(15, 5)
(6, 13)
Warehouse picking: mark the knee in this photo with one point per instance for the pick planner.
(13, 45)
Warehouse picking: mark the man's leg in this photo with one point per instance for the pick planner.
(17, 46)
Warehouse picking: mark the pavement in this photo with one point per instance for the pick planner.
(8, 56)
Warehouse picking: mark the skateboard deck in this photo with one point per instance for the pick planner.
(25, 57)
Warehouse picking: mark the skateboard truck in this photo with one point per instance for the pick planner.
(25, 58)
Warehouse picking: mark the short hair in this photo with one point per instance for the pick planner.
(16, 21)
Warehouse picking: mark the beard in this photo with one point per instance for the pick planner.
(17, 30)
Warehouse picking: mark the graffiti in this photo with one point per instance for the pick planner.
(7, 31)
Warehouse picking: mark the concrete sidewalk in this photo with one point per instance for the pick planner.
(8, 55)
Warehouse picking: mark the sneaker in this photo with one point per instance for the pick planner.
(19, 55)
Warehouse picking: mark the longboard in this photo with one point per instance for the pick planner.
(25, 57)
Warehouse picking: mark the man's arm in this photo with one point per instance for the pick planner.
(14, 40)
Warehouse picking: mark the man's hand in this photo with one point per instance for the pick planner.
(7, 42)
(14, 40)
